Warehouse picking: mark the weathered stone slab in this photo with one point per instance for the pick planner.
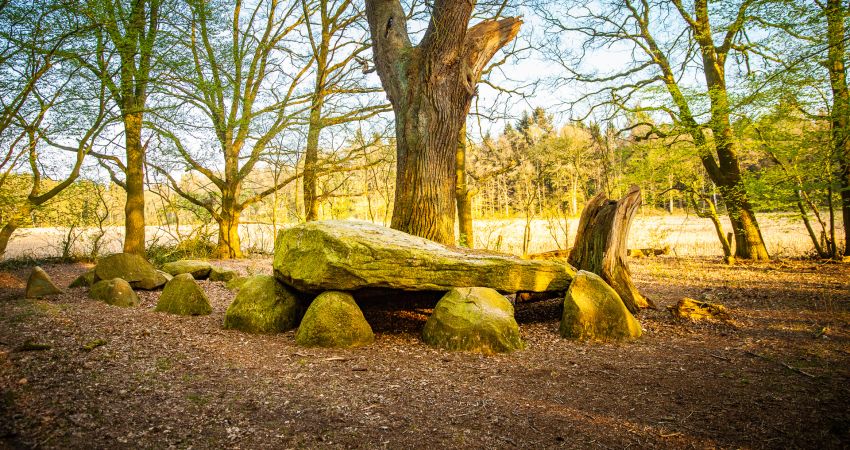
(352, 255)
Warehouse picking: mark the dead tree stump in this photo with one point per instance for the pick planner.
(600, 245)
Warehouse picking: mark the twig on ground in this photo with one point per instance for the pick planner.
(781, 363)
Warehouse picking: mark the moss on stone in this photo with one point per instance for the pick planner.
(197, 268)
(221, 274)
(263, 305)
(40, 285)
(236, 283)
(334, 320)
(594, 311)
(473, 319)
(87, 279)
(131, 268)
(183, 296)
(115, 292)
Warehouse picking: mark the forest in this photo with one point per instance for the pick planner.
(663, 183)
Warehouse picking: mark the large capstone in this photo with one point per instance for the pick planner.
(131, 268)
(594, 311)
(115, 292)
(263, 305)
(183, 296)
(353, 255)
(199, 269)
(40, 285)
(473, 319)
(334, 320)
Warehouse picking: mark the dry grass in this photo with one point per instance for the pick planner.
(685, 235)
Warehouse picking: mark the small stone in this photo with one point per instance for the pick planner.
(116, 292)
(23, 381)
(85, 280)
(220, 274)
(263, 305)
(199, 269)
(183, 296)
(334, 320)
(473, 319)
(40, 285)
(594, 311)
(131, 268)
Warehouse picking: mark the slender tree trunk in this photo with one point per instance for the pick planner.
(311, 159)
(836, 63)
(600, 245)
(463, 195)
(134, 209)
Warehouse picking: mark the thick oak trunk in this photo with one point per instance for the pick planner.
(430, 87)
(134, 208)
(600, 245)
(228, 246)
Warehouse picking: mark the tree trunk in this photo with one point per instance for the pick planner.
(134, 208)
(463, 195)
(228, 246)
(6, 235)
(725, 172)
(836, 63)
(311, 159)
(600, 245)
(430, 87)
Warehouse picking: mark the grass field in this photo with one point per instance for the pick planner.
(685, 235)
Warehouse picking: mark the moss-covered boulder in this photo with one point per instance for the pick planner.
(199, 270)
(236, 283)
(221, 274)
(473, 319)
(87, 279)
(115, 292)
(334, 320)
(131, 268)
(183, 296)
(263, 305)
(352, 255)
(40, 285)
(594, 311)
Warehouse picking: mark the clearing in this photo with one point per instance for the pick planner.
(776, 375)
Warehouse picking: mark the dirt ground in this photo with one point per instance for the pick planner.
(777, 375)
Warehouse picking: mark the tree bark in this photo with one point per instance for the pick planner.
(229, 246)
(600, 245)
(134, 208)
(836, 63)
(311, 160)
(6, 234)
(430, 87)
(725, 172)
(463, 195)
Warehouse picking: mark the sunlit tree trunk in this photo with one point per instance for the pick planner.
(134, 208)
(836, 12)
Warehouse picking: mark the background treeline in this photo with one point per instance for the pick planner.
(220, 113)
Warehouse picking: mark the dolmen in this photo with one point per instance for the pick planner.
(342, 262)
